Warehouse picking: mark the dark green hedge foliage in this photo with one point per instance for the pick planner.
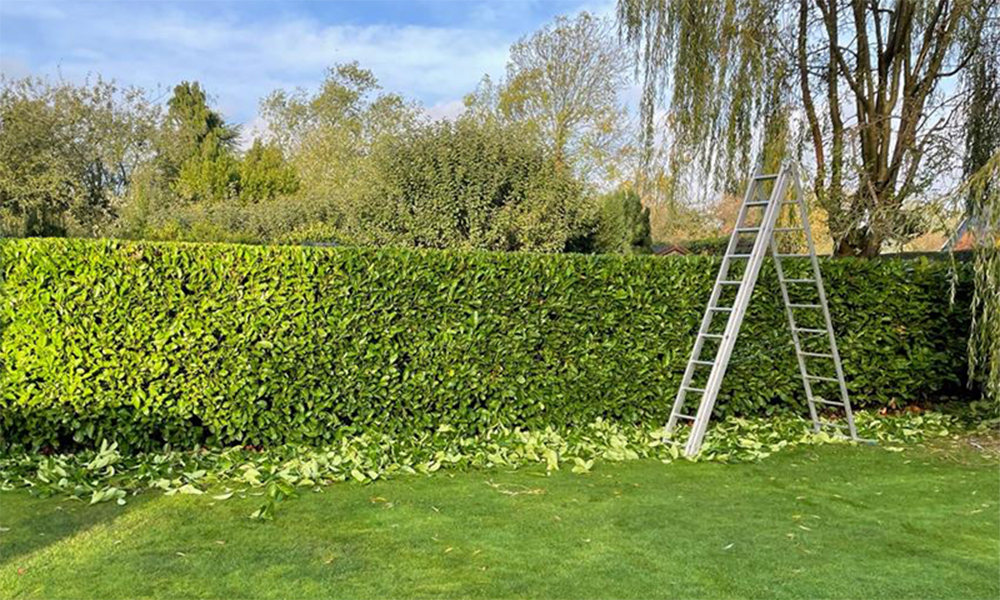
(146, 343)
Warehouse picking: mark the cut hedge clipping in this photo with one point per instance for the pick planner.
(150, 343)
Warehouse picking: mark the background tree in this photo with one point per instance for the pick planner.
(328, 137)
(189, 126)
(199, 185)
(565, 81)
(68, 154)
(197, 149)
(623, 226)
(867, 75)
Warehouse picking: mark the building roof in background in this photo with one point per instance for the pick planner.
(671, 250)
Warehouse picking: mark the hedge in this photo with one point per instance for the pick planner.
(153, 343)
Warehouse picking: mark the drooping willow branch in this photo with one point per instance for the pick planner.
(982, 191)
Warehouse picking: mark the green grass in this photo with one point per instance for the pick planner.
(831, 522)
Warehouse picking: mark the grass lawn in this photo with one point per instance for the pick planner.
(830, 522)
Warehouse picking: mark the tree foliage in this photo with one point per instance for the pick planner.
(198, 185)
(265, 175)
(468, 184)
(68, 154)
(983, 191)
(328, 137)
(623, 225)
(981, 196)
(565, 82)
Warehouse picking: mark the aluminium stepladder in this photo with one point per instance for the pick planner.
(767, 206)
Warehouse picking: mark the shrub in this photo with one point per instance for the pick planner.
(146, 343)
(469, 186)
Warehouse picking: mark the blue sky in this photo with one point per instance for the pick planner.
(432, 51)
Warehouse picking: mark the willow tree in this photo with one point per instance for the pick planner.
(983, 192)
(981, 196)
(871, 80)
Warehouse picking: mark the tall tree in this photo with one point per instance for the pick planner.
(565, 80)
(191, 124)
(328, 136)
(197, 149)
(868, 79)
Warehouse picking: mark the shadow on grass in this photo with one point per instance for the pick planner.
(29, 523)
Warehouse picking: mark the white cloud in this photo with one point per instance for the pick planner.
(448, 110)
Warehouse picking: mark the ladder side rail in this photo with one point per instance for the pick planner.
(842, 384)
(728, 341)
(699, 343)
(706, 319)
(795, 335)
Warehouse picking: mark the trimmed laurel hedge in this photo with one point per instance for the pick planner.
(146, 343)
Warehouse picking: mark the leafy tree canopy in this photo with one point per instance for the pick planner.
(68, 153)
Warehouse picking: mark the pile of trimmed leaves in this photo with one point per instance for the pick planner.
(277, 474)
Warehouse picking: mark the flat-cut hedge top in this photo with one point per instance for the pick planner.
(147, 343)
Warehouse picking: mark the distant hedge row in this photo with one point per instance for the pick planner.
(147, 343)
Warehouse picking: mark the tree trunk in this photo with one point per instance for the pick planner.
(861, 243)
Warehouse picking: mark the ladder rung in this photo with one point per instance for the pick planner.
(808, 330)
(693, 389)
(818, 378)
(798, 281)
(703, 362)
(738, 255)
(711, 335)
(747, 229)
(686, 417)
(828, 402)
(729, 282)
(816, 354)
(805, 306)
(758, 203)
(721, 308)
(765, 177)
